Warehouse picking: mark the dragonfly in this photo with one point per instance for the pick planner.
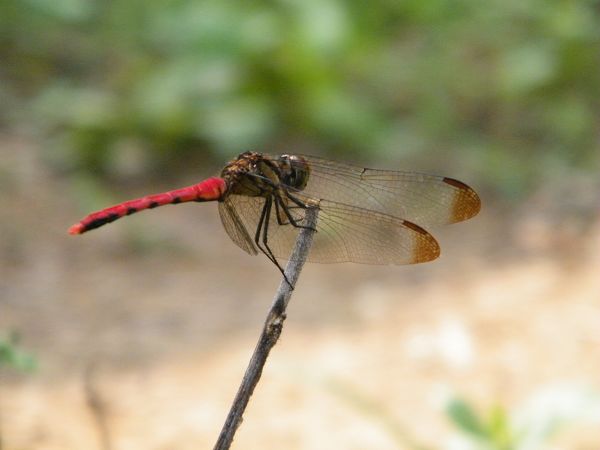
(364, 216)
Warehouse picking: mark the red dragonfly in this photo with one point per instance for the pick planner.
(364, 215)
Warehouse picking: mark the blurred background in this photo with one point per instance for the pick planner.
(136, 335)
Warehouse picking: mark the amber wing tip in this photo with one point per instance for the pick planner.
(76, 229)
(426, 247)
(467, 203)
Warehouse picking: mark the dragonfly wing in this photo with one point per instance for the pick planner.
(235, 227)
(419, 198)
(348, 233)
(345, 233)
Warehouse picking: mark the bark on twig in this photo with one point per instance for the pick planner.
(270, 333)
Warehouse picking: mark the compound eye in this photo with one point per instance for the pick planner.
(296, 171)
(301, 171)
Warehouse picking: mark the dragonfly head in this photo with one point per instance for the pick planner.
(295, 171)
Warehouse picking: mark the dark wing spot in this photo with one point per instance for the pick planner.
(414, 226)
(456, 183)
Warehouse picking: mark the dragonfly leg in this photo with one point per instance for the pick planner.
(279, 203)
(259, 228)
(263, 228)
(280, 221)
(286, 210)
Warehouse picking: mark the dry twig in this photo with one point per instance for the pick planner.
(97, 406)
(270, 333)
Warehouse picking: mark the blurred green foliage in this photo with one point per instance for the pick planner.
(493, 432)
(12, 356)
(510, 88)
(533, 425)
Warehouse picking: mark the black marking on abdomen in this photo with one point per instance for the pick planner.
(101, 221)
(130, 211)
(153, 205)
(176, 200)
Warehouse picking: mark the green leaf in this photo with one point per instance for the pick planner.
(499, 428)
(12, 356)
(465, 418)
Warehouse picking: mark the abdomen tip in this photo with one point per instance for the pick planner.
(76, 229)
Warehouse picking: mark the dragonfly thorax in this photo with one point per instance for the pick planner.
(256, 175)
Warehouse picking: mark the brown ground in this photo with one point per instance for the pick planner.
(155, 318)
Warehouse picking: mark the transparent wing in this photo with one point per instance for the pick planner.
(234, 226)
(345, 233)
(419, 198)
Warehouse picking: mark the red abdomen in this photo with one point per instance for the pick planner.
(207, 190)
